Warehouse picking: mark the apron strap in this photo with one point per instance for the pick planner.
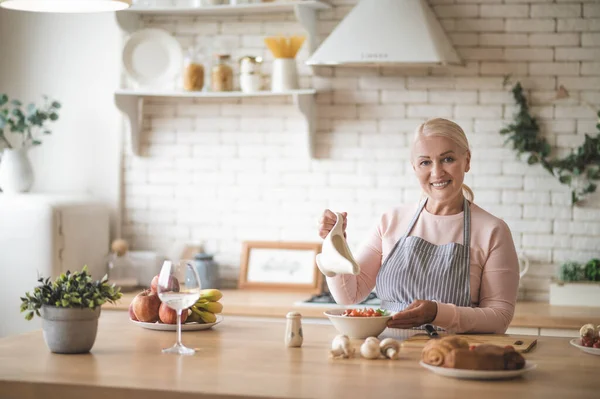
(415, 217)
(466, 224)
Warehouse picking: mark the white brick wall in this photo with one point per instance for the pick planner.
(231, 170)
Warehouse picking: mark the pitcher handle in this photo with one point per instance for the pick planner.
(523, 261)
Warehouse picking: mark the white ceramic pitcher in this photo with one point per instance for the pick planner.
(335, 257)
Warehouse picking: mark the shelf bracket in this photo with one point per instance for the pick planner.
(306, 105)
(132, 107)
(307, 16)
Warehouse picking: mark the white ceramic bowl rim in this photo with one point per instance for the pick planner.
(338, 314)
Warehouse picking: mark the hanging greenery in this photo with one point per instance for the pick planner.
(578, 170)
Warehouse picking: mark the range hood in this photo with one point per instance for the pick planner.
(382, 32)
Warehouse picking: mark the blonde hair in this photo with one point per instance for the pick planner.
(444, 128)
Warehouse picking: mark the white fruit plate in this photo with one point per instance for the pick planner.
(576, 342)
(479, 374)
(173, 327)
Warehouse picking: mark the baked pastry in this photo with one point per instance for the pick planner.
(471, 360)
(436, 350)
(485, 357)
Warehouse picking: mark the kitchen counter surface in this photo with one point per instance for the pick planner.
(277, 304)
(242, 357)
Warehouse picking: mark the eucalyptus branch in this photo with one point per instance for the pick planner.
(26, 121)
(582, 165)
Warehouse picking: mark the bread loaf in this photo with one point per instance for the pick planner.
(436, 350)
(471, 360)
(485, 357)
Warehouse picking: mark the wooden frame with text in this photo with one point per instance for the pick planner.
(280, 265)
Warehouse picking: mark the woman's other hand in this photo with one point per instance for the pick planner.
(327, 222)
(416, 314)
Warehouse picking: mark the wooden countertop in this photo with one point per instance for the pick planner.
(243, 357)
(277, 304)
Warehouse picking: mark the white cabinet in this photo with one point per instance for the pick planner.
(45, 235)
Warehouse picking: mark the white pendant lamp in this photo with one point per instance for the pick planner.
(66, 6)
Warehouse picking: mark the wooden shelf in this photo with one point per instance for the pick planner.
(240, 9)
(305, 12)
(131, 103)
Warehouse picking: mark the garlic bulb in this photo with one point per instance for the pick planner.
(370, 348)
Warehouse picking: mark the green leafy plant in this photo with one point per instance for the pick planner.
(25, 123)
(592, 270)
(571, 271)
(578, 170)
(69, 290)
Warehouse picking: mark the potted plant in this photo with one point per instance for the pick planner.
(69, 308)
(577, 284)
(23, 126)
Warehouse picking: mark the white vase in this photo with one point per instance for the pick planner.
(16, 173)
(285, 75)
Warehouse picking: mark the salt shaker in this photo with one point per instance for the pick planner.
(293, 330)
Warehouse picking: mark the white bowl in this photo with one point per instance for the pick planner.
(357, 327)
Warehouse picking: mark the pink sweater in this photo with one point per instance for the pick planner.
(494, 275)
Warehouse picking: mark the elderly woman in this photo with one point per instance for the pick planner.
(444, 261)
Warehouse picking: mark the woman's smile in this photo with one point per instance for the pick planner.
(441, 184)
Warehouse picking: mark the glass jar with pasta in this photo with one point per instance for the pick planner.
(193, 73)
(221, 77)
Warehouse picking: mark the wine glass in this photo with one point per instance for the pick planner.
(178, 288)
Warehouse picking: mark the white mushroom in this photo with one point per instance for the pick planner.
(341, 347)
(587, 330)
(390, 348)
(370, 348)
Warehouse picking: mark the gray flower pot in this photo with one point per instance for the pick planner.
(69, 330)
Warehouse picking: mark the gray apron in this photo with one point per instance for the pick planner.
(417, 269)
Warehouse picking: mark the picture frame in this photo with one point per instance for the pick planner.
(277, 265)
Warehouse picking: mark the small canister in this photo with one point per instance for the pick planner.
(208, 270)
(250, 75)
(250, 65)
(293, 330)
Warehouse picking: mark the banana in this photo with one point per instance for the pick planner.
(212, 307)
(211, 294)
(206, 316)
(194, 317)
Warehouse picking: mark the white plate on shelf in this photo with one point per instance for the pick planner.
(173, 327)
(479, 374)
(576, 343)
(152, 58)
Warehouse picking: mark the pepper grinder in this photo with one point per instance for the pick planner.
(293, 330)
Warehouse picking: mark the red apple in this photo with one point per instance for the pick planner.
(145, 306)
(173, 284)
(131, 313)
(169, 316)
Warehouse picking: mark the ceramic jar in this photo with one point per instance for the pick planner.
(293, 330)
(250, 74)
